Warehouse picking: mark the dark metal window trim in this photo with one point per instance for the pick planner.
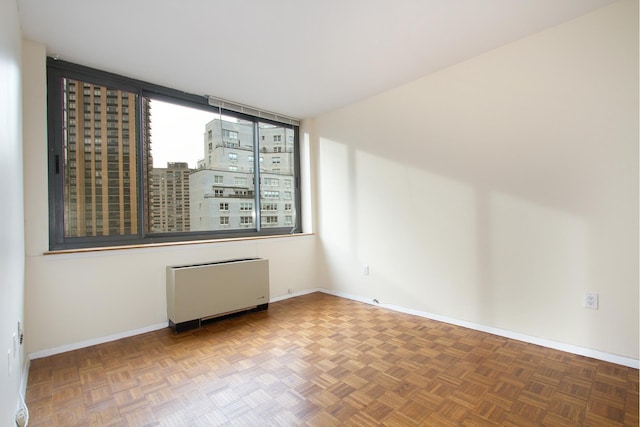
(58, 69)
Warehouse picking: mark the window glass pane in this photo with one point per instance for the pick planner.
(202, 179)
(175, 134)
(100, 187)
(276, 175)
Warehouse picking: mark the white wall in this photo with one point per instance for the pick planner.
(76, 299)
(496, 191)
(11, 216)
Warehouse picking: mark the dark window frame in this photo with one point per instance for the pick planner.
(56, 71)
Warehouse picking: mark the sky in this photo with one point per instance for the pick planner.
(177, 133)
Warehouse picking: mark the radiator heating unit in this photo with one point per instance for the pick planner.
(200, 292)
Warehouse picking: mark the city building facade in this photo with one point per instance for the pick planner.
(100, 160)
(170, 198)
(222, 190)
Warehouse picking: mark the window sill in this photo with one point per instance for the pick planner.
(169, 244)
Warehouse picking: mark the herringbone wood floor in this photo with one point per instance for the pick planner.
(320, 360)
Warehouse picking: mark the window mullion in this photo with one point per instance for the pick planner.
(256, 173)
(296, 181)
(142, 183)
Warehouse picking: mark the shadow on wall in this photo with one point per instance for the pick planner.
(447, 247)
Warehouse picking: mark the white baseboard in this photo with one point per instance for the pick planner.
(295, 294)
(569, 348)
(94, 341)
(25, 378)
(22, 392)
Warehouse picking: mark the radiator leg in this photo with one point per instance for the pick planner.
(184, 326)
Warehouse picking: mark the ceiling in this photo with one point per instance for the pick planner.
(294, 57)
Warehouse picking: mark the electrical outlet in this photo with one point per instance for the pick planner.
(591, 300)
(15, 344)
(365, 269)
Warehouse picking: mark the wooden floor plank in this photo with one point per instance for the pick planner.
(320, 360)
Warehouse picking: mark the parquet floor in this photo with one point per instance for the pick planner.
(320, 360)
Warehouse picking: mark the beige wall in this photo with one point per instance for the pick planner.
(81, 298)
(496, 191)
(11, 216)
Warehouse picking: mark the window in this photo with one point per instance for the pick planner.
(269, 220)
(229, 134)
(125, 168)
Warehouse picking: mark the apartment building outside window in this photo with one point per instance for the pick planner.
(116, 177)
(270, 220)
(229, 134)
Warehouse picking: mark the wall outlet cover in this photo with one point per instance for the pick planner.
(591, 300)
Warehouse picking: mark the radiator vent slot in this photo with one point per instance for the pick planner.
(204, 291)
